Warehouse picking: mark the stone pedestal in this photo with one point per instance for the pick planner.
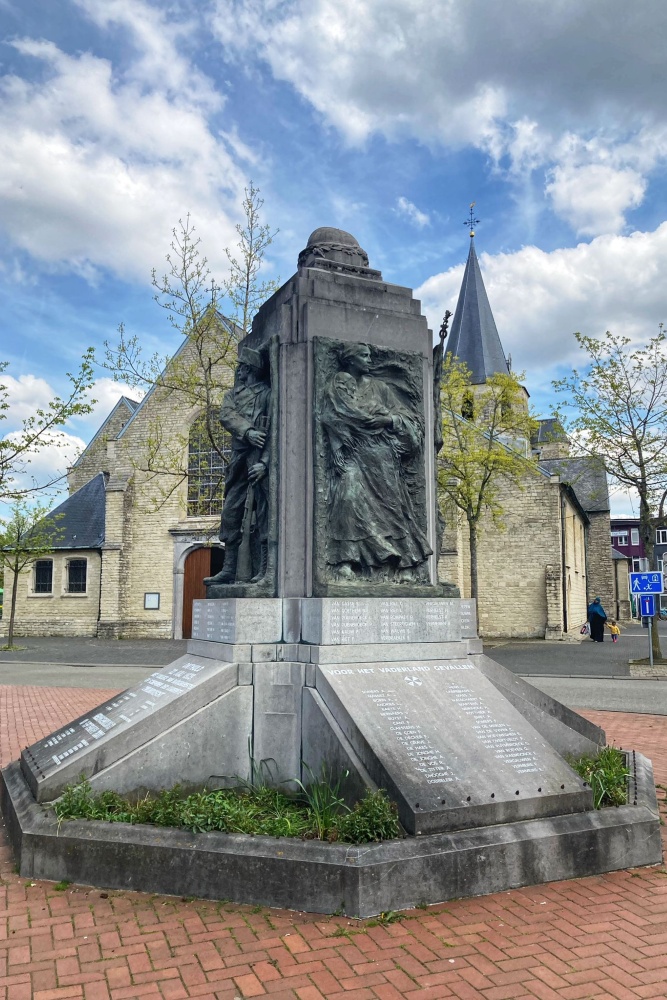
(397, 694)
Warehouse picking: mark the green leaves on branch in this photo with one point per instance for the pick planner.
(616, 409)
(41, 429)
(25, 535)
(486, 445)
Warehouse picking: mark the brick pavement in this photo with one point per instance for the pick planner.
(602, 937)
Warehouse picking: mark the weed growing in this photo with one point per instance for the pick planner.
(259, 811)
(607, 773)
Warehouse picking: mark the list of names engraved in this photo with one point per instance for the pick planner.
(349, 622)
(504, 742)
(214, 621)
(386, 620)
(161, 686)
(430, 763)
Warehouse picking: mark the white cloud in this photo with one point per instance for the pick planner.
(539, 299)
(24, 395)
(107, 393)
(97, 163)
(410, 211)
(594, 198)
(521, 80)
(49, 463)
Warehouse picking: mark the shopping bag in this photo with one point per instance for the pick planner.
(585, 629)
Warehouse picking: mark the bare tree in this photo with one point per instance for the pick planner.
(198, 375)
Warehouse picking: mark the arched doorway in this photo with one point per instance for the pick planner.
(205, 561)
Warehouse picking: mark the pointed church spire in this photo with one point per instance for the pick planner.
(474, 338)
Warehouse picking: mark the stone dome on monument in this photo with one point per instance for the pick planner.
(334, 249)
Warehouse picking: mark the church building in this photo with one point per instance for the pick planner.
(554, 555)
(131, 556)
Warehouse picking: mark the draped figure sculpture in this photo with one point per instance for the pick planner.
(375, 434)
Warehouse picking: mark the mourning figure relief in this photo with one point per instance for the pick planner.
(371, 413)
(245, 413)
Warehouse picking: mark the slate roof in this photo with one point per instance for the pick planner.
(586, 476)
(473, 337)
(615, 554)
(82, 523)
(548, 430)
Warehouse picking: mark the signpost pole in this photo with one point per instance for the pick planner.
(650, 641)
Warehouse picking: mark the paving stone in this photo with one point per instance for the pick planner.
(584, 925)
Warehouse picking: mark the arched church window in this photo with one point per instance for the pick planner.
(209, 451)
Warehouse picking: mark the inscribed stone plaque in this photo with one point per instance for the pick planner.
(447, 745)
(120, 725)
(331, 621)
(468, 618)
(238, 620)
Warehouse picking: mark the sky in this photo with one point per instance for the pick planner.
(385, 118)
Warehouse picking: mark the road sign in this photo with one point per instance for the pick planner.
(646, 583)
(647, 605)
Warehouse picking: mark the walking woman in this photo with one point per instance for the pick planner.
(596, 620)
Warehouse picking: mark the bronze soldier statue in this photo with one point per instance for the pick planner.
(244, 523)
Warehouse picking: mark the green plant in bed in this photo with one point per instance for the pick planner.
(607, 773)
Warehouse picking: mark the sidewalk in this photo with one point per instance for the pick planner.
(602, 937)
(94, 652)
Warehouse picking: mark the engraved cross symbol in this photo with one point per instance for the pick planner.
(412, 680)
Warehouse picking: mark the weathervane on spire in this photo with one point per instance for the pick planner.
(471, 221)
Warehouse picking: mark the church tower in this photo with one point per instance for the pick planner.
(474, 337)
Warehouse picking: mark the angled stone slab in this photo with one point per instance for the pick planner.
(120, 725)
(330, 621)
(206, 749)
(563, 729)
(448, 746)
(236, 620)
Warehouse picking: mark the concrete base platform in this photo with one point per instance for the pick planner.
(323, 878)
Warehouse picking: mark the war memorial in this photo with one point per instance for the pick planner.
(327, 640)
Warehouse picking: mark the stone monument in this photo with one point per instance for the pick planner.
(327, 640)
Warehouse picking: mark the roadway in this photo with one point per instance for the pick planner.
(580, 674)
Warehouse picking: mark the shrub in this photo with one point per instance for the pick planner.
(374, 818)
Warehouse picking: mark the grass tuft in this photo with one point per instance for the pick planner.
(607, 773)
(263, 811)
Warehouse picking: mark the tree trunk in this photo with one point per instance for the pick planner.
(12, 610)
(472, 531)
(646, 532)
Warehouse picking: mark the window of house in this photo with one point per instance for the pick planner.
(640, 565)
(634, 536)
(619, 538)
(206, 468)
(43, 576)
(661, 536)
(76, 576)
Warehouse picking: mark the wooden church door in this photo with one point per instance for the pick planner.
(199, 563)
